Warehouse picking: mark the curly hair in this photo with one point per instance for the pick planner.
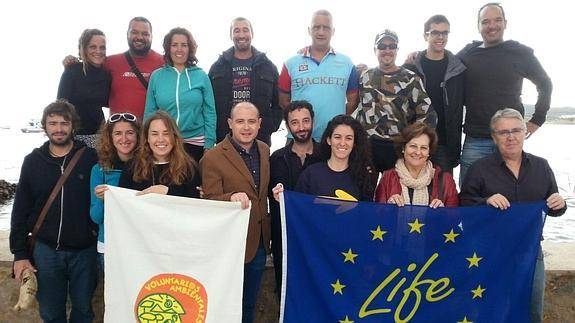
(107, 153)
(192, 46)
(362, 171)
(182, 167)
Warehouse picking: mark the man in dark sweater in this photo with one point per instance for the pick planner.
(493, 81)
(64, 256)
(242, 73)
(443, 76)
(285, 166)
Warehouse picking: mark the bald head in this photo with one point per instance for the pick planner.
(244, 105)
(244, 122)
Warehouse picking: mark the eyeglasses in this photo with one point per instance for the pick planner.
(435, 33)
(508, 133)
(126, 116)
(383, 46)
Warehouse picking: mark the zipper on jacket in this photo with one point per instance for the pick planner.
(61, 205)
(177, 97)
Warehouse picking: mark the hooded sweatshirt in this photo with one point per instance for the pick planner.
(189, 99)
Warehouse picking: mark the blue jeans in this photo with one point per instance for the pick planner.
(474, 149)
(253, 272)
(62, 271)
(538, 290)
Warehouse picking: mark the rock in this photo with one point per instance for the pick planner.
(7, 191)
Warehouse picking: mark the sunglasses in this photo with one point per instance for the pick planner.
(384, 46)
(118, 116)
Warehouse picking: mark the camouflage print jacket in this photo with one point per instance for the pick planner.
(391, 102)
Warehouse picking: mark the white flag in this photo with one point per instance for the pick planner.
(173, 259)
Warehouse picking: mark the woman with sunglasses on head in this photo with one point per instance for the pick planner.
(184, 91)
(115, 146)
(87, 85)
(415, 180)
(346, 172)
(161, 165)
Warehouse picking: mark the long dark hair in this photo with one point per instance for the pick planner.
(181, 168)
(360, 166)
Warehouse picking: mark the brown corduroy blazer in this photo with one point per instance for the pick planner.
(224, 173)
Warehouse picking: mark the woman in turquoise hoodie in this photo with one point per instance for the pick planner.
(184, 91)
(118, 138)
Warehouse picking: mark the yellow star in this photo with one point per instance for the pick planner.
(338, 287)
(349, 256)
(377, 233)
(464, 320)
(415, 226)
(450, 236)
(346, 320)
(474, 261)
(478, 292)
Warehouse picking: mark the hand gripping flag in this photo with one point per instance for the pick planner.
(173, 259)
(367, 262)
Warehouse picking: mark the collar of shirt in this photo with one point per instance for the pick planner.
(501, 161)
(306, 52)
(241, 150)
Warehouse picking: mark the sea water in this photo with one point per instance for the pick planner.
(552, 142)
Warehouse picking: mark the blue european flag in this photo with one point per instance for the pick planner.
(368, 262)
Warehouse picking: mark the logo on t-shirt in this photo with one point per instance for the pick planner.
(241, 80)
(303, 67)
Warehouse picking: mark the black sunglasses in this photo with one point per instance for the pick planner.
(383, 46)
(126, 116)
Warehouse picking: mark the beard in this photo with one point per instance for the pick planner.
(301, 139)
(139, 51)
(60, 142)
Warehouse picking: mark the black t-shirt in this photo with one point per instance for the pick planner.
(186, 189)
(434, 75)
(242, 79)
(319, 179)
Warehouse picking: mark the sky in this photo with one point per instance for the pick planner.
(36, 35)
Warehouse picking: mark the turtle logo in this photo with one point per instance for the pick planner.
(171, 298)
(160, 308)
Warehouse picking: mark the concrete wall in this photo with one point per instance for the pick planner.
(559, 294)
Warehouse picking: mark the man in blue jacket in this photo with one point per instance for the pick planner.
(64, 255)
(242, 73)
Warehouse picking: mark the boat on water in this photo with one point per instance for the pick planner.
(33, 126)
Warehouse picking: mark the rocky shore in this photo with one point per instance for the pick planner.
(7, 191)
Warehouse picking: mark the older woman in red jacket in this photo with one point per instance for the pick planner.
(415, 180)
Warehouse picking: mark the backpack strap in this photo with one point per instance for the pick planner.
(135, 69)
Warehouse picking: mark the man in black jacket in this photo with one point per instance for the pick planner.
(443, 75)
(494, 80)
(285, 166)
(242, 73)
(65, 251)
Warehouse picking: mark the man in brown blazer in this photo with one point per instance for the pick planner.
(237, 169)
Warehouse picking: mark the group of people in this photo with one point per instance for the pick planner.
(388, 134)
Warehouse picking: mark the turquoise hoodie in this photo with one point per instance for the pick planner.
(188, 97)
